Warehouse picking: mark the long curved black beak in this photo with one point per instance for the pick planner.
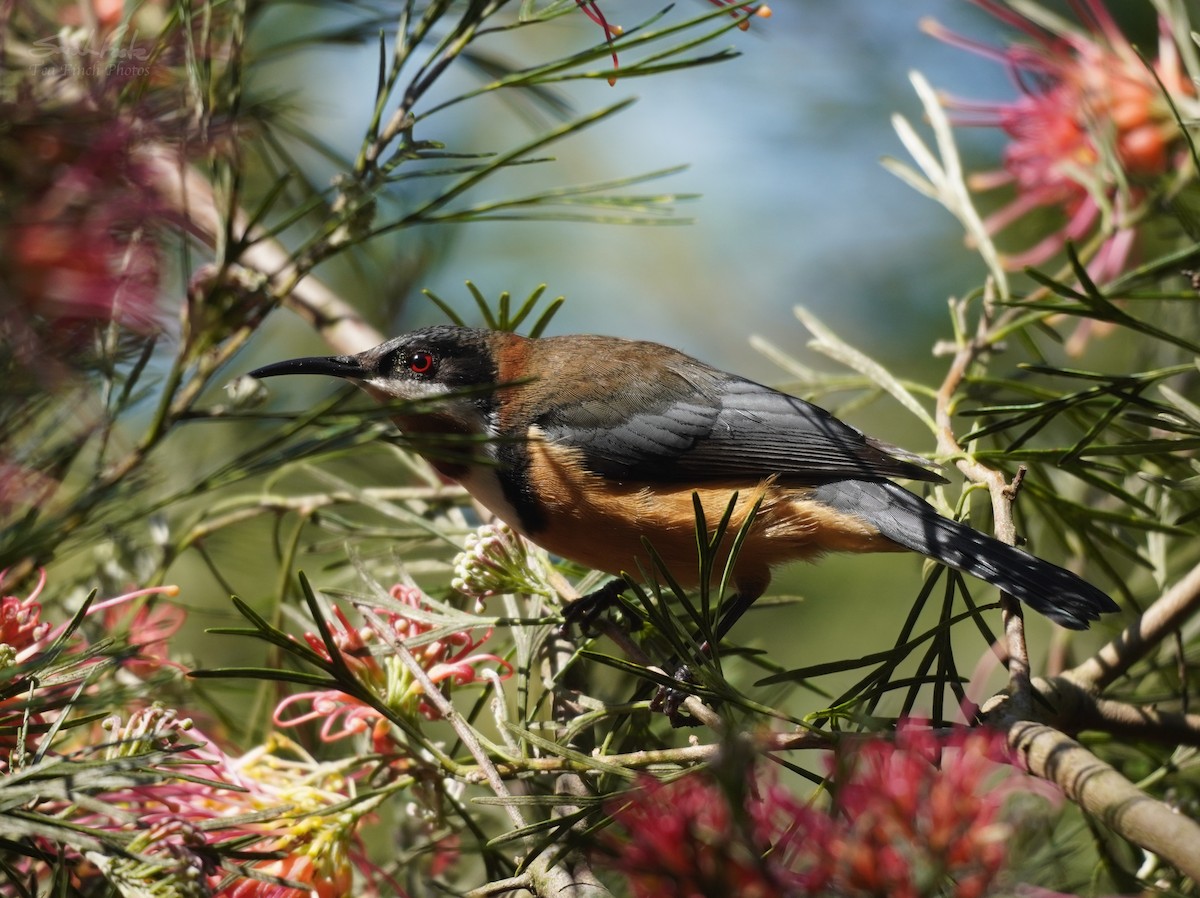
(348, 366)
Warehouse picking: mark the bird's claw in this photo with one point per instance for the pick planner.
(587, 609)
(670, 699)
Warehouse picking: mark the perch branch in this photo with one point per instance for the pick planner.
(1160, 620)
(1105, 794)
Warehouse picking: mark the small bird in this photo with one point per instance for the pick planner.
(592, 443)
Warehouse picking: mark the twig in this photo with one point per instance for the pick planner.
(501, 887)
(683, 756)
(1001, 492)
(1141, 722)
(338, 323)
(1069, 706)
(1161, 619)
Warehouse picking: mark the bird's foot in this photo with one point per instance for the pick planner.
(587, 609)
(670, 699)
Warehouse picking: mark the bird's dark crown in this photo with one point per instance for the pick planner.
(456, 357)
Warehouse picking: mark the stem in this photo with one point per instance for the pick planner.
(1001, 492)
(1160, 620)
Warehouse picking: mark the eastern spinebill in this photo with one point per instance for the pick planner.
(598, 443)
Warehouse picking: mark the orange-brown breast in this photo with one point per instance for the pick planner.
(600, 524)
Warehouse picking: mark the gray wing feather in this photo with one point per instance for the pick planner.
(701, 425)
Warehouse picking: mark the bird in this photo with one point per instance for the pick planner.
(591, 446)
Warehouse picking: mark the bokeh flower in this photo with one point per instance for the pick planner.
(920, 814)
(449, 659)
(79, 243)
(1091, 134)
(686, 839)
(22, 488)
(101, 101)
(148, 628)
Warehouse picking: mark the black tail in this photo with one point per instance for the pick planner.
(909, 520)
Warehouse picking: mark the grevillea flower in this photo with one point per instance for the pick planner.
(591, 9)
(1092, 133)
(79, 245)
(25, 641)
(495, 560)
(450, 659)
(21, 624)
(920, 814)
(294, 818)
(22, 629)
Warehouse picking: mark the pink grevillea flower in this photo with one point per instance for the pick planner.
(450, 660)
(21, 624)
(1091, 133)
(22, 629)
(591, 9)
(80, 245)
(25, 638)
(294, 819)
(920, 814)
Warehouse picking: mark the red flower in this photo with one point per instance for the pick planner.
(452, 659)
(1090, 133)
(21, 624)
(917, 815)
(918, 811)
(82, 245)
(685, 840)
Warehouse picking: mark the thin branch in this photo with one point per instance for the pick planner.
(684, 756)
(1001, 492)
(1141, 722)
(338, 323)
(1160, 620)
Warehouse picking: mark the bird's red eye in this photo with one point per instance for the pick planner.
(421, 362)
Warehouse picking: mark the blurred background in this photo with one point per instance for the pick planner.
(782, 146)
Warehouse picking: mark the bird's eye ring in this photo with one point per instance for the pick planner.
(422, 362)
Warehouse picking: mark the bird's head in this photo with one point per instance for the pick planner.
(424, 364)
